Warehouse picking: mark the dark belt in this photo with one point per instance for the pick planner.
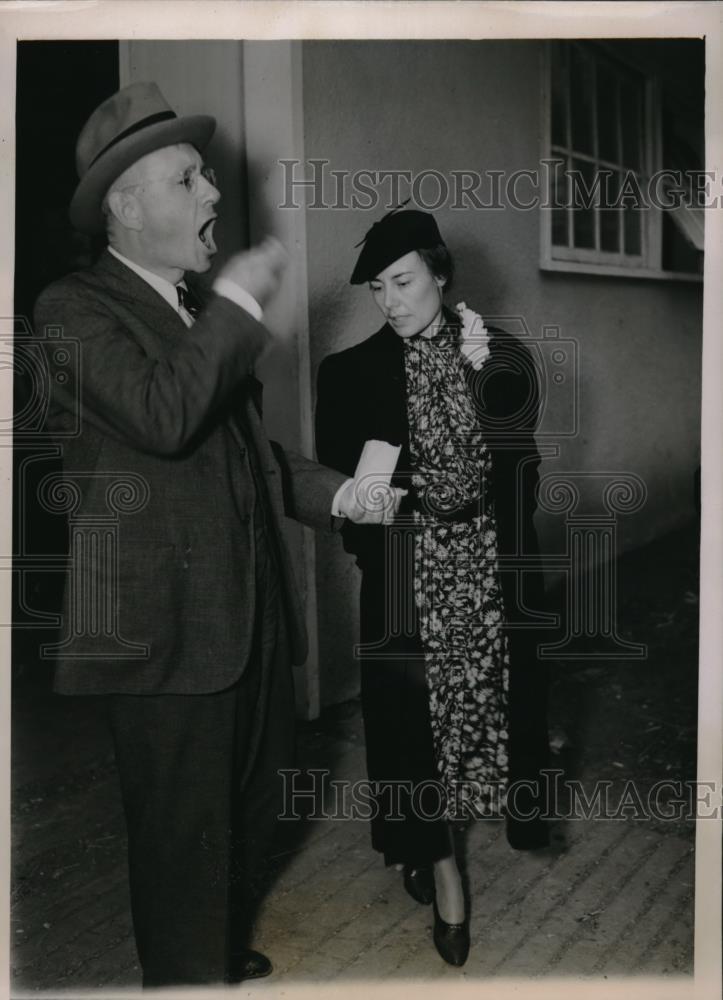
(457, 516)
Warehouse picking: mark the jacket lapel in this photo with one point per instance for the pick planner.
(129, 289)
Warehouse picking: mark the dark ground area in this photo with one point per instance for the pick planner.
(614, 720)
(636, 719)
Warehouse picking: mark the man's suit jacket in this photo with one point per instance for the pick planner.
(173, 411)
(362, 395)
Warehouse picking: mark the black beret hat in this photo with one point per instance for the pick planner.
(397, 234)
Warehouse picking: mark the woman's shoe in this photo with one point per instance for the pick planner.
(419, 883)
(451, 940)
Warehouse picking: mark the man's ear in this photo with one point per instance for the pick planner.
(126, 208)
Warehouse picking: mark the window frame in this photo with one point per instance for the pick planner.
(580, 260)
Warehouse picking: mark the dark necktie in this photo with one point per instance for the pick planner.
(188, 301)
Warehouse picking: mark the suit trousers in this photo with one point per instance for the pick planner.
(201, 792)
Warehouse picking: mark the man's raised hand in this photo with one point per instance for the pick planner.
(258, 270)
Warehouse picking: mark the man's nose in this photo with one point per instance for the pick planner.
(210, 194)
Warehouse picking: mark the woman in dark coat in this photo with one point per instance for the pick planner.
(452, 696)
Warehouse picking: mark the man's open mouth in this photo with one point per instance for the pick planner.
(205, 234)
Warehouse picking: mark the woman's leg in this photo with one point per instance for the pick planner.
(448, 887)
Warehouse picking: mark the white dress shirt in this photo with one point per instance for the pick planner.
(221, 286)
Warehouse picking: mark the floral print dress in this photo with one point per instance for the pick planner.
(456, 579)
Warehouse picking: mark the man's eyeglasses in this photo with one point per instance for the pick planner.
(188, 179)
(190, 176)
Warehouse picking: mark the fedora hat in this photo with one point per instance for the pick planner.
(133, 122)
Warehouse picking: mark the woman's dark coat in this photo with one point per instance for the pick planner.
(362, 396)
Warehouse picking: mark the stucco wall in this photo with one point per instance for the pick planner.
(454, 106)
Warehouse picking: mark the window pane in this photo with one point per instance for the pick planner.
(581, 90)
(631, 120)
(559, 94)
(559, 227)
(611, 218)
(632, 230)
(597, 123)
(559, 187)
(607, 114)
(583, 219)
(610, 230)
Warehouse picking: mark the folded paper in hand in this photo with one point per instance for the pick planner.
(374, 472)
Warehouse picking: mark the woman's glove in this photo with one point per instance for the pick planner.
(475, 339)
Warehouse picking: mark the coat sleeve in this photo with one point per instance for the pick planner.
(340, 438)
(508, 399)
(339, 434)
(308, 488)
(154, 404)
(506, 394)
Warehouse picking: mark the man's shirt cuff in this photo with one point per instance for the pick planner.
(230, 290)
(335, 512)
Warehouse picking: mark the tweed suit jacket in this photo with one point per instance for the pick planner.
(170, 412)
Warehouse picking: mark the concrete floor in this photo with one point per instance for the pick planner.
(610, 897)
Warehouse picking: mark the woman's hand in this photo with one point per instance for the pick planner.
(370, 501)
(474, 343)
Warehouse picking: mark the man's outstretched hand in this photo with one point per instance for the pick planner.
(368, 501)
(258, 270)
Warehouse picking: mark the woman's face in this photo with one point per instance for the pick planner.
(408, 294)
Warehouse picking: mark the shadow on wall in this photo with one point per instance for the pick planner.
(263, 213)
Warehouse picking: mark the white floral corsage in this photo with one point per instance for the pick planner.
(475, 338)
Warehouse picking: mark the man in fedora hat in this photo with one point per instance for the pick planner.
(205, 618)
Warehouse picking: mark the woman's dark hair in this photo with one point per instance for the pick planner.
(439, 261)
